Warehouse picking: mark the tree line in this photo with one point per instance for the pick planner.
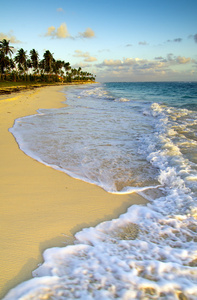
(24, 67)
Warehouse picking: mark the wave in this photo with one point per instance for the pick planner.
(140, 255)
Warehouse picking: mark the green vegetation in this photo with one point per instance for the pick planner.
(26, 69)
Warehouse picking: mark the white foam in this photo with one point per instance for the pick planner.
(104, 265)
(89, 142)
(123, 100)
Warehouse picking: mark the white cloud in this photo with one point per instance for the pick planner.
(183, 60)
(123, 63)
(111, 62)
(90, 59)
(128, 69)
(51, 31)
(10, 37)
(61, 32)
(132, 61)
(88, 33)
(82, 65)
(79, 53)
(85, 55)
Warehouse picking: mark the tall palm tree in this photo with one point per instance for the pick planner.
(48, 60)
(21, 59)
(5, 47)
(34, 59)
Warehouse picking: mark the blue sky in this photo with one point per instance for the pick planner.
(116, 40)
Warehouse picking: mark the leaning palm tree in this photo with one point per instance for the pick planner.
(21, 60)
(5, 47)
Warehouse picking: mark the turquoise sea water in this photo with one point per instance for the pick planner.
(123, 137)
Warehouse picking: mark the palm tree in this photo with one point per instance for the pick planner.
(11, 64)
(57, 66)
(21, 59)
(4, 62)
(48, 60)
(79, 73)
(73, 73)
(34, 59)
(67, 66)
(41, 66)
(5, 47)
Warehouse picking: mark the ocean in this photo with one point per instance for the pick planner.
(124, 137)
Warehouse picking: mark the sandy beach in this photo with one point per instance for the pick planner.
(39, 206)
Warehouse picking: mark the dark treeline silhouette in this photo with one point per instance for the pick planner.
(24, 67)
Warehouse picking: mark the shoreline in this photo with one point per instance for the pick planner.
(40, 206)
(4, 90)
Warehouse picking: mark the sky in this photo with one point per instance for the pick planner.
(125, 40)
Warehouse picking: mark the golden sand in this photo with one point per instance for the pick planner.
(39, 205)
